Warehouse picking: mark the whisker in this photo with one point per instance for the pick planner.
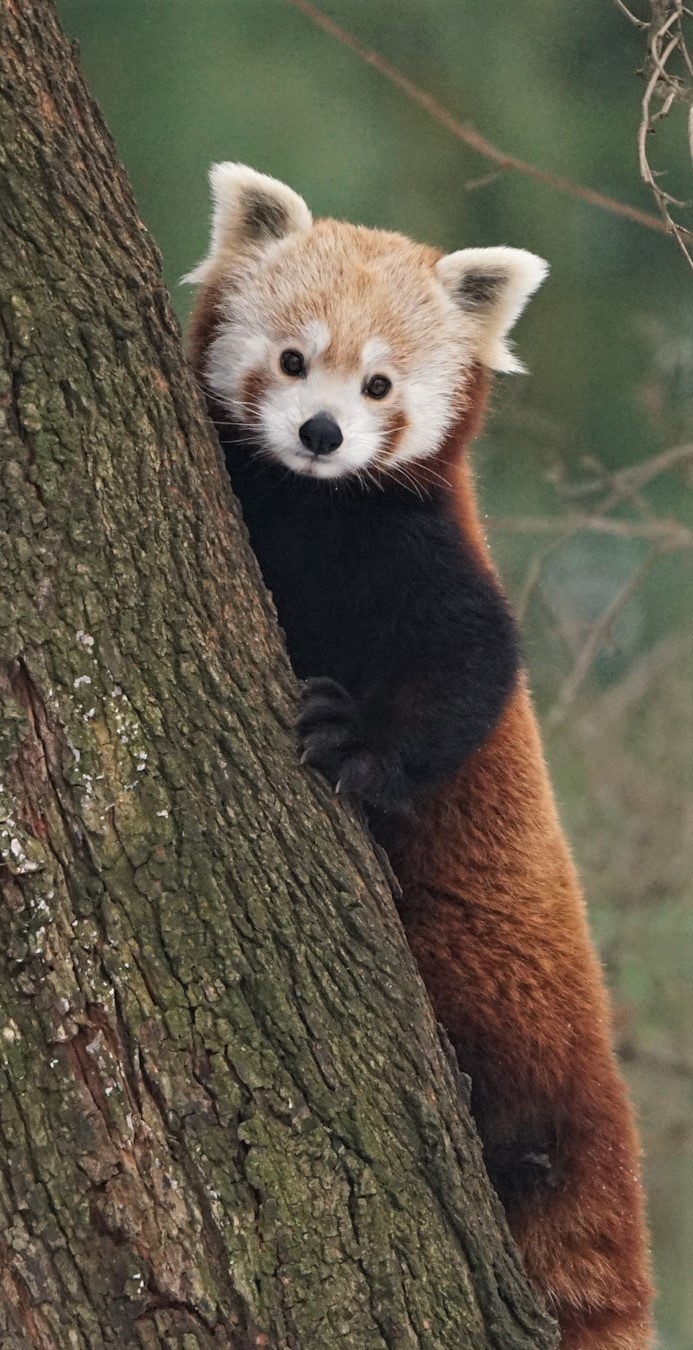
(398, 474)
(373, 478)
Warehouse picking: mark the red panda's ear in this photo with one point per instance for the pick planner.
(250, 210)
(492, 286)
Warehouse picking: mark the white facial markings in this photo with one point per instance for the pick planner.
(233, 355)
(285, 283)
(317, 338)
(430, 404)
(321, 390)
(376, 352)
(422, 396)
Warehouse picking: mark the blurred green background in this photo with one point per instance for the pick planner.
(609, 342)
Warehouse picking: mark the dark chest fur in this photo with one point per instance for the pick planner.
(376, 590)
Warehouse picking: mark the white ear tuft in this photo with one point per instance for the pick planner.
(250, 209)
(492, 285)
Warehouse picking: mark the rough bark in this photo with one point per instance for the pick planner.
(226, 1115)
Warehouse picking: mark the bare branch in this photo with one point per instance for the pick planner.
(638, 23)
(533, 577)
(666, 532)
(663, 534)
(472, 138)
(637, 476)
(598, 634)
(666, 38)
(474, 184)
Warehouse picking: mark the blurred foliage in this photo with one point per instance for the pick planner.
(609, 341)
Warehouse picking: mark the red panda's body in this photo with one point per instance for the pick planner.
(496, 919)
(415, 701)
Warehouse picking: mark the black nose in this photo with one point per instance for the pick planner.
(321, 434)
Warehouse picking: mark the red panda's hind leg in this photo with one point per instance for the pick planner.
(552, 1114)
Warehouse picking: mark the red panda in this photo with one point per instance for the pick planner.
(346, 369)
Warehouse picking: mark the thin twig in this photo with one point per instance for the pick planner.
(664, 85)
(637, 476)
(638, 23)
(533, 576)
(472, 138)
(619, 489)
(668, 533)
(595, 640)
(473, 184)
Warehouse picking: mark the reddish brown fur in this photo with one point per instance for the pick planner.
(204, 323)
(393, 434)
(349, 276)
(496, 920)
(252, 389)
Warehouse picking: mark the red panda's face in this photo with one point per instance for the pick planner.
(338, 349)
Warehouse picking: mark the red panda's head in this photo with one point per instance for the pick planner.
(337, 348)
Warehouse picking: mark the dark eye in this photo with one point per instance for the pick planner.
(378, 386)
(292, 363)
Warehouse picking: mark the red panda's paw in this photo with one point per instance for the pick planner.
(329, 728)
(324, 700)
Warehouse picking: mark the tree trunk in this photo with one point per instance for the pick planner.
(226, 1115)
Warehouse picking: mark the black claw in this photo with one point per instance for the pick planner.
(328, 725)
(327, 717)
(325, 742)
(361, 776)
